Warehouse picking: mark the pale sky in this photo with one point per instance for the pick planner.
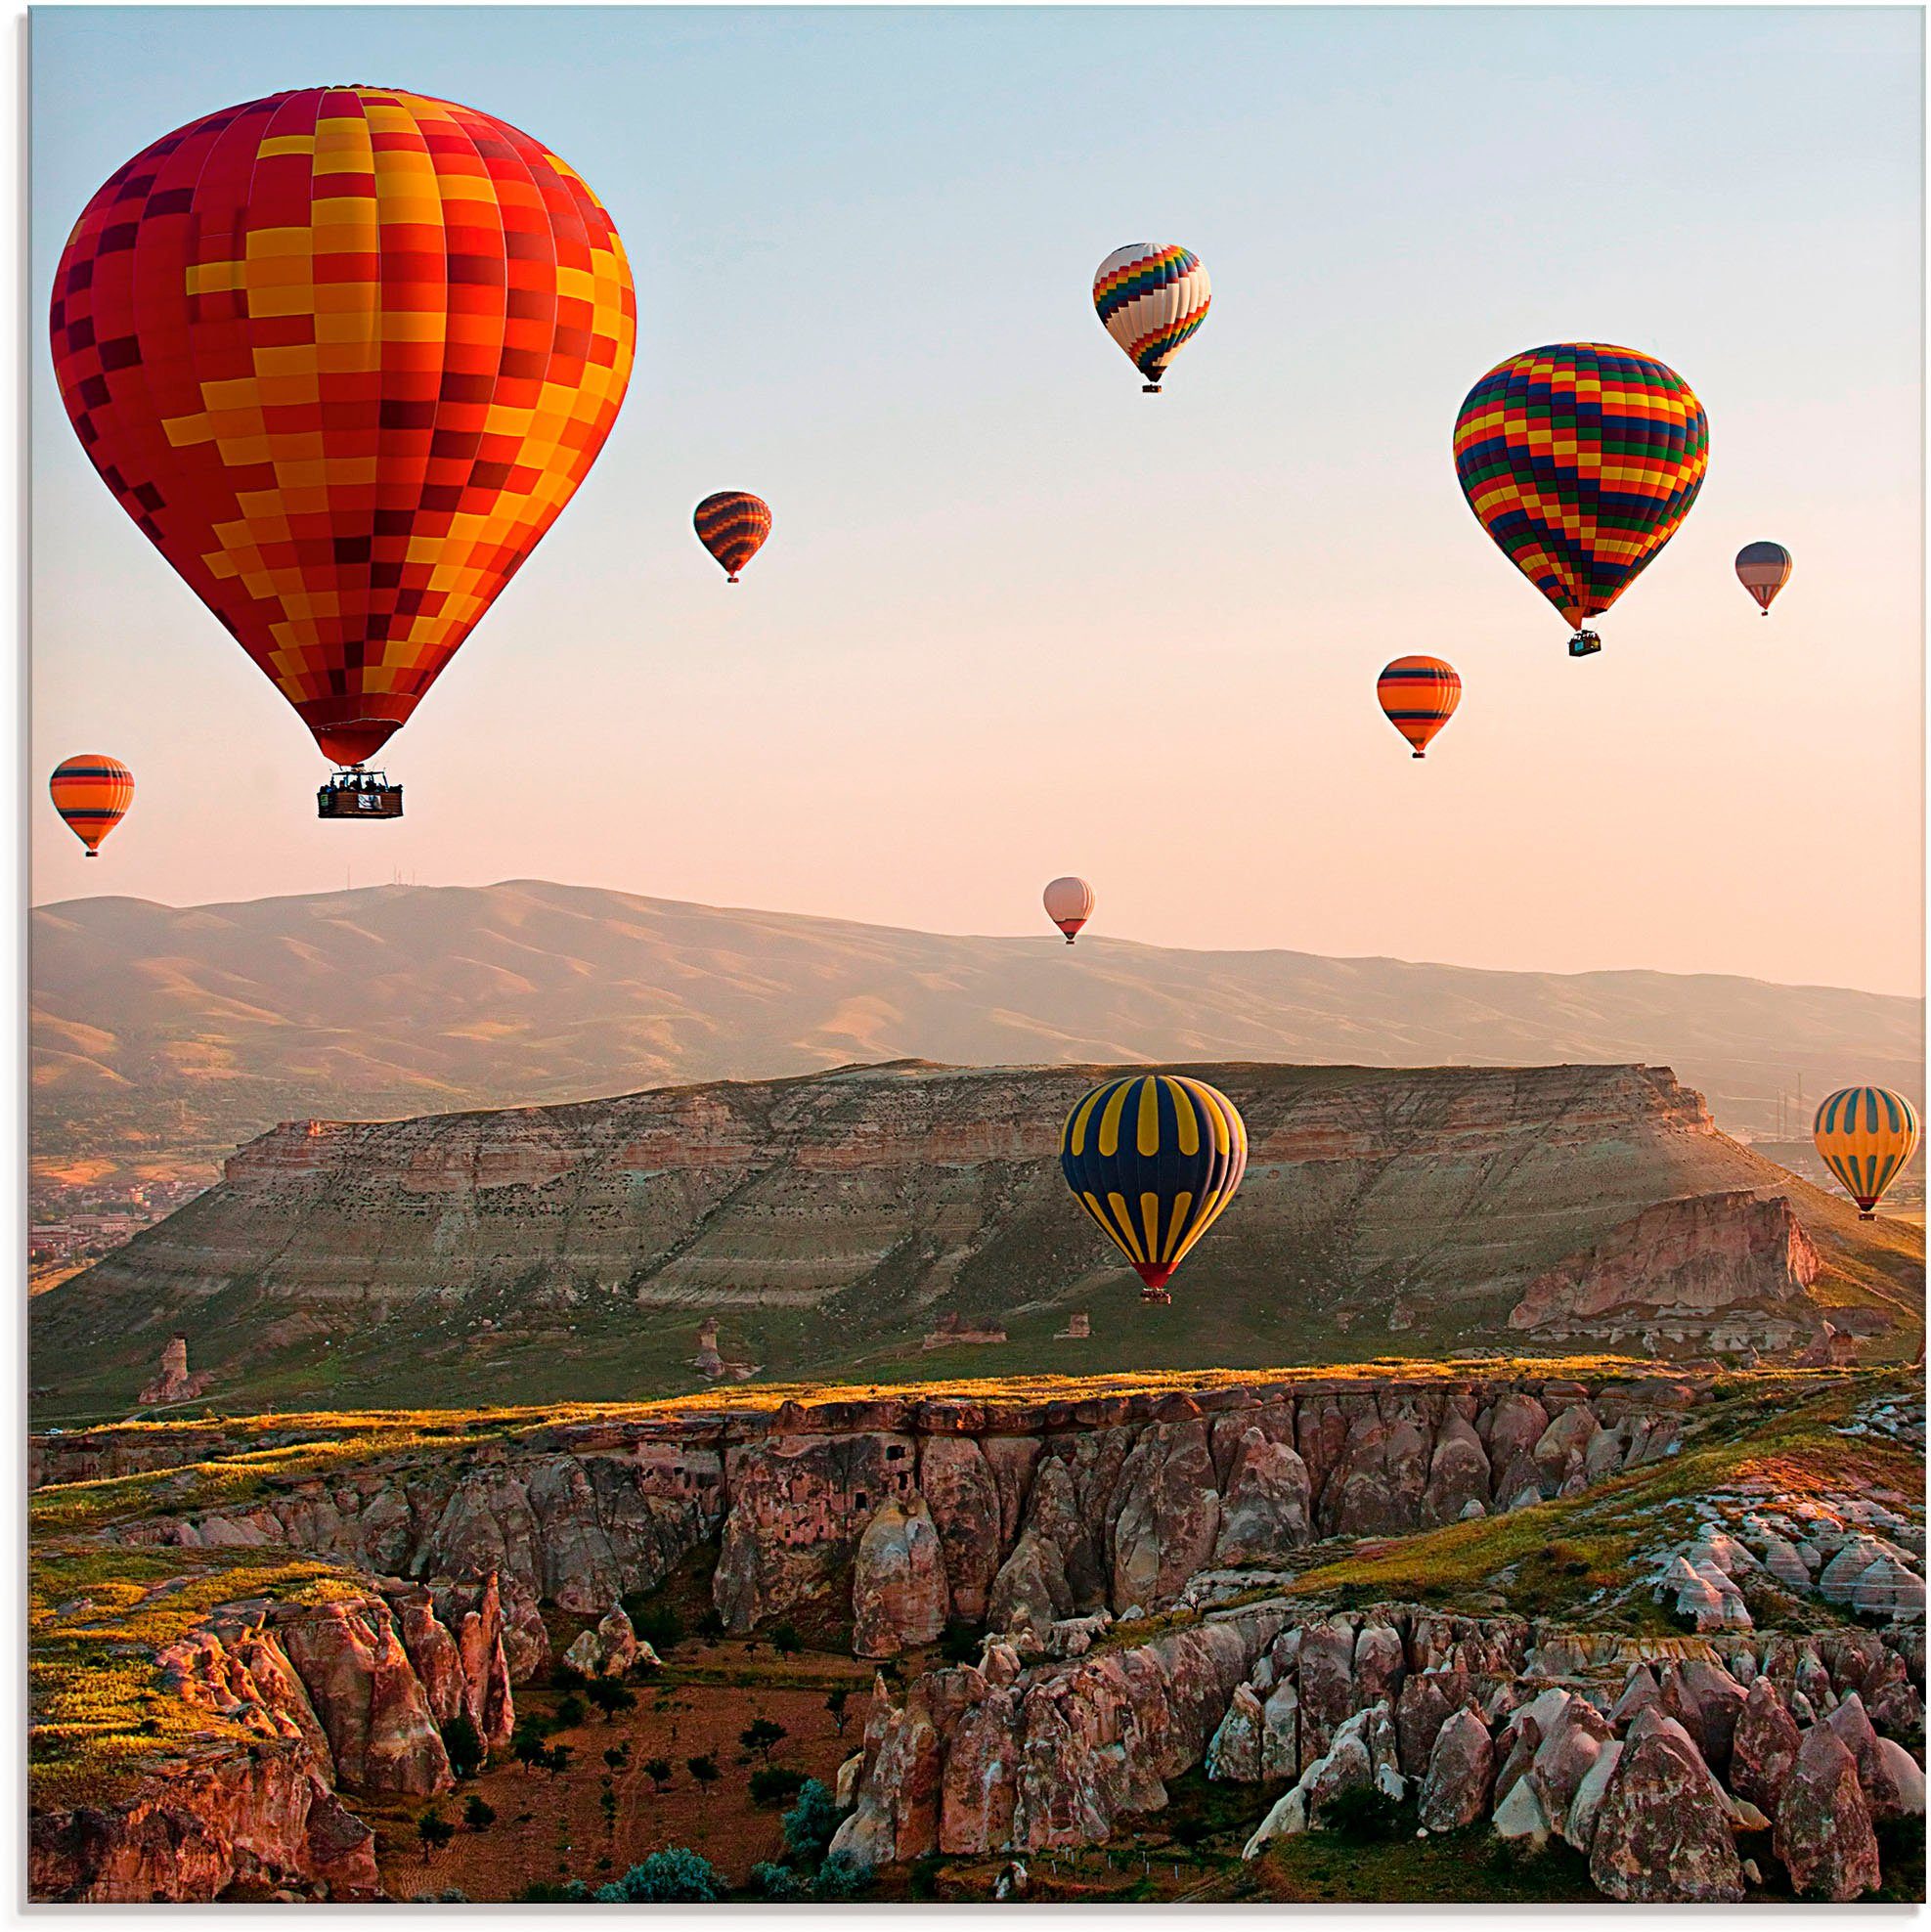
(1016, 618)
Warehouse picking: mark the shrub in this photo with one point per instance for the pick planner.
(556, 1758)
(842, 1877)
(785, 1640)
(704, 1769)
(669, 1877)
(710, 1626)
(571, 1712)
(526, 1742)
(478, 1813)
(610, 1697)
(959, 1642)
(435, 1831)
(1364, 1814)
(773, 1782)
(777, 1882)
(658, 1770)
(835, 1703)
(657, 1624)
(544, 1893)
(810, 1824)
(464, 1745)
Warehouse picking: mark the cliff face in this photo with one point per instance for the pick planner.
(1370, 1197)
(1728, 1271)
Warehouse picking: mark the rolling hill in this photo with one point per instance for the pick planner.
(163, 1037)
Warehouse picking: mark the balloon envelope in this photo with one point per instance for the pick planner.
(1763, 569)
(1152, 298)
(1418, 695)
(92, 793)
(1069, 904)
(732, 526)
(1153, 1159)
(1866, 1136)
(1581, 461)
(343, 355)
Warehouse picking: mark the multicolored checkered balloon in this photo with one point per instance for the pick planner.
(343, 355)
(1580, 461)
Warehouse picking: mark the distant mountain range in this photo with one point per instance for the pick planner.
(163, 1037)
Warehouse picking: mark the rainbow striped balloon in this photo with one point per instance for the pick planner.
(1866, 1136)
(92, 793)
(1153, 1159)
(1419, 695)
(1152, 298)
(732, 526)
(1581, 461)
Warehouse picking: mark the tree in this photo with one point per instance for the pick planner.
(759, 1734)
(607, 1801)
(672, 1876)
(842, 1877)
(570, 1712)
(556, 1758)
(959, 1642)
(610, 1697)
(467, 1752)
(527, 1743)
(835, 1703)
(618, 1756)
(710, 1626)
(776, 1882)
(704, 1769)
(655, 1624)
(658, 1770)
(478, 1813)
(435, 1831)
(771, 1783)
(810, 1824)
(785, 1640)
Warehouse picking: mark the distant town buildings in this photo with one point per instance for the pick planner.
(82, 1223)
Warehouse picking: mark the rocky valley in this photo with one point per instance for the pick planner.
(1656, 1634)
(899, 1221)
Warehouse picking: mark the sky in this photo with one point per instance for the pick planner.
(1016, 618)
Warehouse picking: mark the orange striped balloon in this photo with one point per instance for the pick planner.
(92, 793)
(1419, 695)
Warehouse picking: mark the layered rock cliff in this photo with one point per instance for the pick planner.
(830, 1216)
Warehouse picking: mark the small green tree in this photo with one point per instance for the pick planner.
(785, 1640)
(556, 1758)
(759, 1734)
(610, 1697)
(464, 1746)
(842, 1877)
(478, 1813)
(527, 1744)
(835, 1703)
(672, 1876)
(772, 1783)
(618, 1756)
(704, 1769)
(810, 1824)
(658, 1770)
(435, 1831)
(607, 1803)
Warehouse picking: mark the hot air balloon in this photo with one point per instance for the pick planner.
(732, 526)
(1866, 1136)
(1580, 461)
(1419, 695)
(1763, 569)
(92, 793)
(1153, 1159)
(343, 355)
(1069, 905)
(1152, 298)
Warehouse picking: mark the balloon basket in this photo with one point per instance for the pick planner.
(1155, 1297)
(358, 794)
(1585, 643)
(1150, 388)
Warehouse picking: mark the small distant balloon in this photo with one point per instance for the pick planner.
(1581, 461)
(1152, 298)
(1418, 695)
(732, 526)
(92, 793)
(1763, 569)
(1069, 905)
(1153, 1159)
(1866, 1136)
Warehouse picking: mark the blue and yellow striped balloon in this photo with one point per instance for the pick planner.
(1153, 1159)
(1866, 1136)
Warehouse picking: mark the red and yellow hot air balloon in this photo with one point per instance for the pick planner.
(1866, 1136)
(1418, 695)
(92, 793)
(1763, 569)
(343, 355)
(1069, 904)
(732, 526)
(1153, 1159)
(1581, 461)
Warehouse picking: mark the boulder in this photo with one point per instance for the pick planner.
(1823, 1832)
(1885, 1792)
(1461, 1772)
(621, 1650)
(1234, 1754)
(1264, 1514)
(1662, 1831)
(898, 1590)
(1579, 1824)
(1763, 1747)
(1030, 1591)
